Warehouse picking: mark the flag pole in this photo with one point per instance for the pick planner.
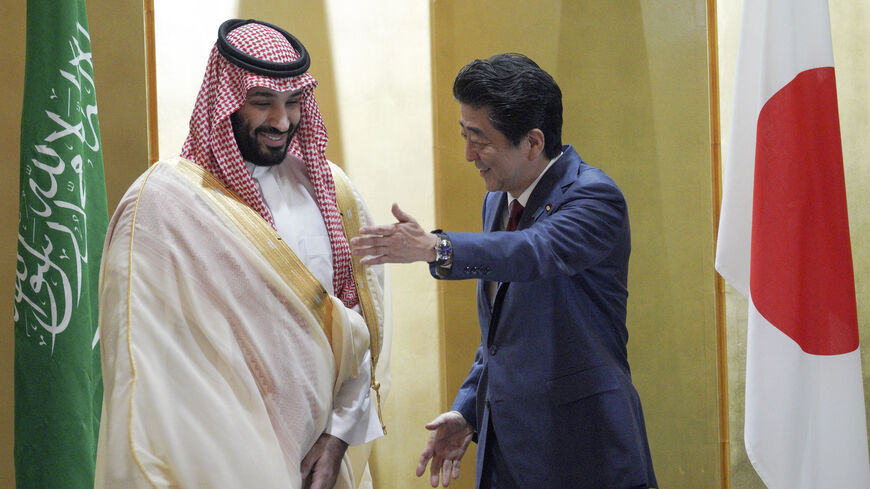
(151, 81)
(719, 283)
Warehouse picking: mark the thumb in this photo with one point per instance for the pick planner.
(436, 423)
(401, 215)
(307, 465)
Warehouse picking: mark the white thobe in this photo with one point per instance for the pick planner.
(289, 195)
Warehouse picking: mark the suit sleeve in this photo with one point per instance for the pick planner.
(579, 232)
(466, 398)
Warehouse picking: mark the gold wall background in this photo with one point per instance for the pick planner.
(850, 37)
(116, 30)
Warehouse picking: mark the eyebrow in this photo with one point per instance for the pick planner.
(472, 129)
(267, 94)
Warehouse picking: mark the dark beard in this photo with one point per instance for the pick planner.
(251, 150)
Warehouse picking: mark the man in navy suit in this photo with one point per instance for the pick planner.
(549, 397)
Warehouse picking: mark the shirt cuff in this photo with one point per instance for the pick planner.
(354, 416)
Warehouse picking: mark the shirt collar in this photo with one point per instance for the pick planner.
(524, 197)
(256, 171)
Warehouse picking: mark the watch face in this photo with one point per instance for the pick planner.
(442, 251)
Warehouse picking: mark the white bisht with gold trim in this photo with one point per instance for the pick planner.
(221, 352)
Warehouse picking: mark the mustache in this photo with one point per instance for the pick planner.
(271, 130)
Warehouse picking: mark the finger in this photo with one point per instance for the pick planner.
(446, 470)
(421, 466)
(370, 251)
(319, 482)
(316, 482)
(369, 244)
(378, 230)
(425, 456)
(307, 464)
(455, 474)
(401, 215)
(322, 483)
(306, 482)
(367, 251)
(321, 476)
(434, 474)
(358, 242)
(375, 260)
(369, 240)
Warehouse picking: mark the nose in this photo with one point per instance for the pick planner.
(470, 154)
(279, 118)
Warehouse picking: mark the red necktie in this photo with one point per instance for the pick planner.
(516, 212)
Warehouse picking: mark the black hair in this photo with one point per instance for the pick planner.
(518, 94)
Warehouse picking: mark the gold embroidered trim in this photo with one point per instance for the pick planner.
(350, 220)
(258, 231)
(133, 372)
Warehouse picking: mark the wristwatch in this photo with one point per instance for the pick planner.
(443, 249)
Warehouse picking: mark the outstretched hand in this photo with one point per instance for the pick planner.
(450, 437)
(404, 241)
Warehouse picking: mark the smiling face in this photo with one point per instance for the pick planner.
(264, 126)
(503, 166)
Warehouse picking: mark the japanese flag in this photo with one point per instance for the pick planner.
(784, 244)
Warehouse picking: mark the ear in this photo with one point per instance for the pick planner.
(535, 138)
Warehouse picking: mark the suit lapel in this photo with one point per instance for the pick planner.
(550, 188)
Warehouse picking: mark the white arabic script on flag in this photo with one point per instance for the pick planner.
(53, 226)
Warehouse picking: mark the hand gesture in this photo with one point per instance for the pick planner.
(404, 241)
(451, 435)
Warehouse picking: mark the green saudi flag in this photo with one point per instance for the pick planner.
(62, 219)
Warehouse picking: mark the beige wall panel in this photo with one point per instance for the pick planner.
(634, 82)
(118, 45)
(851, 39)
(119, 70)
(181, 54)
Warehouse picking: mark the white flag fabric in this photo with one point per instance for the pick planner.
(784, 245)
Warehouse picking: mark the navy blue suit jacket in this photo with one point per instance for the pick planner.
(551, 373)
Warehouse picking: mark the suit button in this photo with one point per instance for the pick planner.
(492, 350)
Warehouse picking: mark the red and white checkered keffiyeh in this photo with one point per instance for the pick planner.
(211, 142)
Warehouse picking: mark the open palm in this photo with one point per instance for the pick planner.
(450, 437)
